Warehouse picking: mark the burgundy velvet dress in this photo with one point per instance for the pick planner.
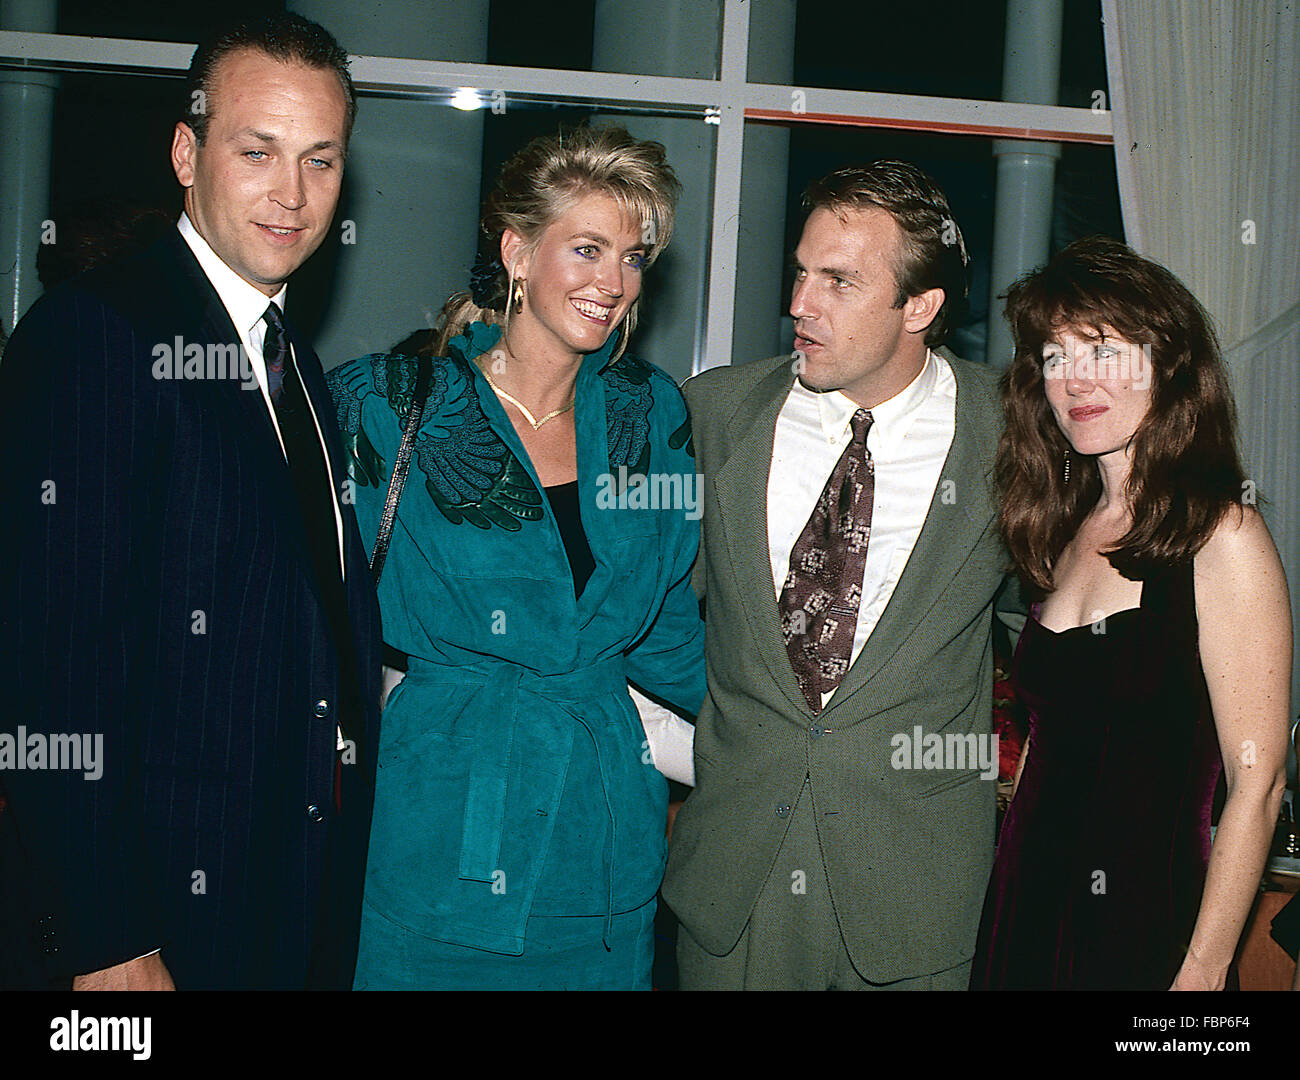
(1102, 856)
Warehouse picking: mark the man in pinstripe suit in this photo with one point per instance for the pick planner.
(183, 584)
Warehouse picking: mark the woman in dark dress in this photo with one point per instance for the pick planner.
(1159, 655)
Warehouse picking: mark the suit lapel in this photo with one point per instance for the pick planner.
(740, 486)
(358, 588)
(186, 303)
(313, 378)
(244, 409)
(961, 510)
(213, 326)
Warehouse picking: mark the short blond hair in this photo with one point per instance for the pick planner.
(541, 182)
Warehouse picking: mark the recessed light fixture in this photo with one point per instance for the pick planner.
(466, 99)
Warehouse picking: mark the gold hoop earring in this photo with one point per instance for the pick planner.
(516, 299)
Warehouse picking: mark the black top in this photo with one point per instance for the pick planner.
(564, 503)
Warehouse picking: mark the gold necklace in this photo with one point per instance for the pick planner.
(536, 424)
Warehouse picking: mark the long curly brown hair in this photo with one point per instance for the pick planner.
(1186, 472)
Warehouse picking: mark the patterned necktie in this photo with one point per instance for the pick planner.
(823, 589)
(275, 349)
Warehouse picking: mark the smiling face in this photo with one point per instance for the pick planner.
(580, 279)
(1099, 388)
(849, 333)
(263, 186)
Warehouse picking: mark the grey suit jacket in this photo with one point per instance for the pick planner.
(908, 851)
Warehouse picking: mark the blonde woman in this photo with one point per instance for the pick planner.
(519, 819)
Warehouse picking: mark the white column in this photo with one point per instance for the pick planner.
(410, 203)
(1022, 215)
(762, 326)
(26, 121)
(669, 37)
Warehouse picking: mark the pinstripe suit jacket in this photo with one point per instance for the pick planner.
(158, 592)
(907, 853)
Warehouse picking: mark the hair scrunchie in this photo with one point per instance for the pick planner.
(485, 283)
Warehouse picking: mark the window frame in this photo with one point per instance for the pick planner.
(728, 101)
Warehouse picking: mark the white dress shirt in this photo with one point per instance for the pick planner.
(909, 441)
(246, 307)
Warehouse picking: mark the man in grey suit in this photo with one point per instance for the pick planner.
(840, 834)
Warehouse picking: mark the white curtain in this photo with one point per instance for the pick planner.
(1205, 96)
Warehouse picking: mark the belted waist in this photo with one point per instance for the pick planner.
(595, 680)
(497, 715)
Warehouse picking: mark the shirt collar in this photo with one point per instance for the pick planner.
(245, 304)
(890, 419)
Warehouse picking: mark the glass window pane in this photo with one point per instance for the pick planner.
(155, 20)
(650, 37)
(1085, 201)
(406, 230)
(951, 48)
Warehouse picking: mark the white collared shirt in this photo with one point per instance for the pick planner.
(246, 307)
(909, 441)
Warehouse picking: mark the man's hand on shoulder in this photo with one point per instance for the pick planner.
(146, 973)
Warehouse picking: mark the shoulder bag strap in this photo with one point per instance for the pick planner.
(423, 378)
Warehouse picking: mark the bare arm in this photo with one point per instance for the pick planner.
(1244, 614)
(146, 973)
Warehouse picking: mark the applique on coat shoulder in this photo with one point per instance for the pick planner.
(469, 472)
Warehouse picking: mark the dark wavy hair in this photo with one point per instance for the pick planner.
(283, 36)
(932, 253)
(1186, 473)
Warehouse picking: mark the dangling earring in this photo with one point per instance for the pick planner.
(516, 299)
(1067, 467)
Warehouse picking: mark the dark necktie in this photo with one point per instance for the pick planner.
(823, 590)
(303, 449)
(311, 485)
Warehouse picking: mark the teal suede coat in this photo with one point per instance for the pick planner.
(514, 777)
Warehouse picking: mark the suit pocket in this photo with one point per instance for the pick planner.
(960, 780)
(416, 722)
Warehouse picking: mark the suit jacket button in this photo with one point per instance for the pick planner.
(313, 812)
(321, 709)
(782, 811)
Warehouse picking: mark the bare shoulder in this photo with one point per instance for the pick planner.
(1239, 565)
(1241, 540)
